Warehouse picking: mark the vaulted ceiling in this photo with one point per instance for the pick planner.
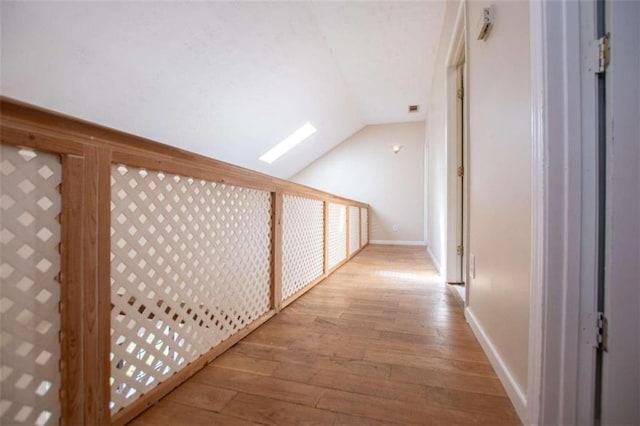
(227, 80)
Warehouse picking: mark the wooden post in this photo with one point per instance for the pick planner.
(368, 226)
(276, 251)
(96, 284)
(360, 227)
(71, 392)
(326, 238)
(347, 207)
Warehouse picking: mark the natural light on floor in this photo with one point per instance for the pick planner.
(409, 276)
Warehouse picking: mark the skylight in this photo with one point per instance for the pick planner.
(288, 143)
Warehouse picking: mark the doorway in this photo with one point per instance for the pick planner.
(459, 281)
(457, 161)
(460, 189)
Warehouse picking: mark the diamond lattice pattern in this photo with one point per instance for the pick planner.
(337, 234)
(190, 266)
(302, 243)
(29, 295)
(364, 220)
(354, 229)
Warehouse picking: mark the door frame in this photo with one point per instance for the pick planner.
(457, 229)
(561, 373)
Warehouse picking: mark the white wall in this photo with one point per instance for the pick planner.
(499, 155)
(364, 168)
(500, 179)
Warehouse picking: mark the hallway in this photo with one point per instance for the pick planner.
(380, 341)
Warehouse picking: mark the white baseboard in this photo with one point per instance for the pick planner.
(398, 242)
(434, 261)
(516, 394)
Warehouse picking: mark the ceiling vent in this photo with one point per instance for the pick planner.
(414, 108)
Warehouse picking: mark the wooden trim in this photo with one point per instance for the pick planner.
(90, 278)
(71, 292)
(104, 280)
(96, 285)
(276, 251)
(360, 245)
(53, 132)
(222, 173)
(347, 220)
(145, 401)
(14, 135)
(77, 129)
(368, 225)
(226, 174)
(325, 224)
(306, 192)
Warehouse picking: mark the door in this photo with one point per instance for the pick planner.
(620, 367)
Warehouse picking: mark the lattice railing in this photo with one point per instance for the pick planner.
(190, 267)
(354, 229)
(364, 226)
(302, 243)
(127, 265)
(30, 205)
(337, 234)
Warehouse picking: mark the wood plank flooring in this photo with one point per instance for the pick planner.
(379, 342)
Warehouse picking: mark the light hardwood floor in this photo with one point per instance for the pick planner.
(379, 342)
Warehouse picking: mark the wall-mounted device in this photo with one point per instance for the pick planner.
(486, 22)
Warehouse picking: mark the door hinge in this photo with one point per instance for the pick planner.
(460, 93)
(460, 171)
(460, 251)
(601, 55)
(601, 331)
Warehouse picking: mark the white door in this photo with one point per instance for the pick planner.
(621, 361)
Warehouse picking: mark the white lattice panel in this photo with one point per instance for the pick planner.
(354, 229)
(337, 234)
(29, 294)
(190, 266)
(302, 243)
(364, 220)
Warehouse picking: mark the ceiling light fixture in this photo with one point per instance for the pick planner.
(397, 148)
(288, 143)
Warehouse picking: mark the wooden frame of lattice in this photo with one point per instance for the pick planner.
(337, 235)
(302, 244)
(190, 268)
(364, 226)
(87, 154)
(354, 230)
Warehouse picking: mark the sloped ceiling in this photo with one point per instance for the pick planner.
(227, 80)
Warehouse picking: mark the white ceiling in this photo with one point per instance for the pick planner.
(227, 80)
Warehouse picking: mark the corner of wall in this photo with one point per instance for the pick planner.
(435, 262)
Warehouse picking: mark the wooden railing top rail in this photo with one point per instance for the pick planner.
(50, 131)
